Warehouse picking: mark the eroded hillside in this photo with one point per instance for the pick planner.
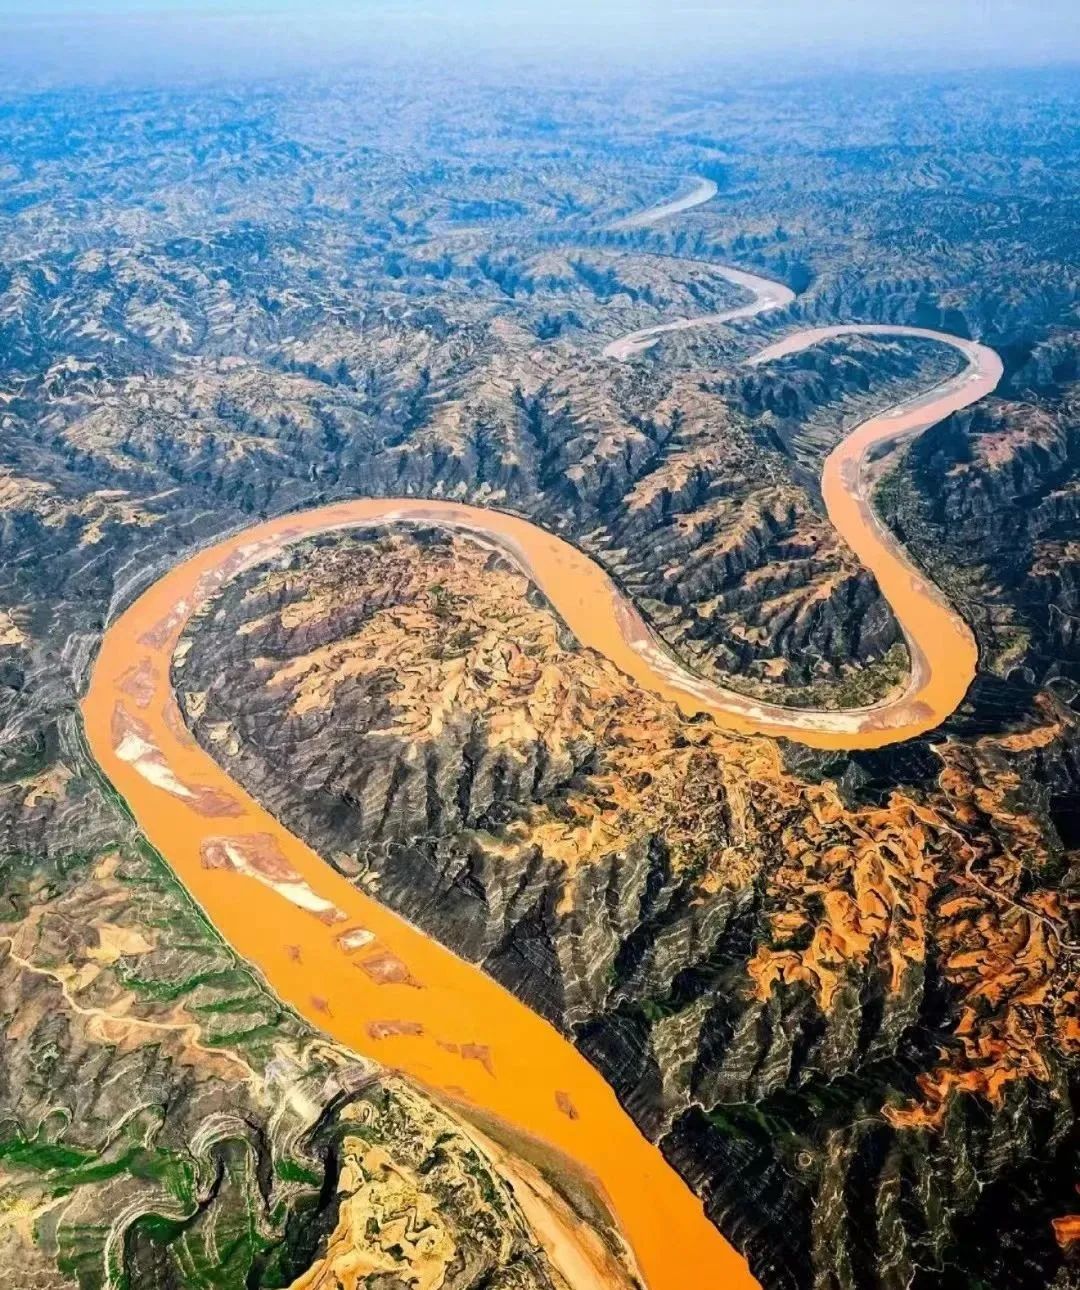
(166, 1122)
(882, 990)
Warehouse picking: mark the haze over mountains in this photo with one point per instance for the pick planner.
(129, 40)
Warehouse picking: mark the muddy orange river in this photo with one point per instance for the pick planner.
(387, 991)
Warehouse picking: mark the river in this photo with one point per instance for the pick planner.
(384, 989)
(703, 190)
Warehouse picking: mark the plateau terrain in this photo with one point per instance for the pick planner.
(540, 682)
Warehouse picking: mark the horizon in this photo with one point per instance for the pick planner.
(65, 41)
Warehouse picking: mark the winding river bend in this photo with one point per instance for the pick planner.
(941, 645)
(703, 190)
(383, 988)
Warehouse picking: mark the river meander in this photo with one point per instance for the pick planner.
(383, 988)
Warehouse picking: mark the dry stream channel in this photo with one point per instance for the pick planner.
(386, 990)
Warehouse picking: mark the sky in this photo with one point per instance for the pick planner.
(102, 37)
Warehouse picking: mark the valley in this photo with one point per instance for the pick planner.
(538, 687)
